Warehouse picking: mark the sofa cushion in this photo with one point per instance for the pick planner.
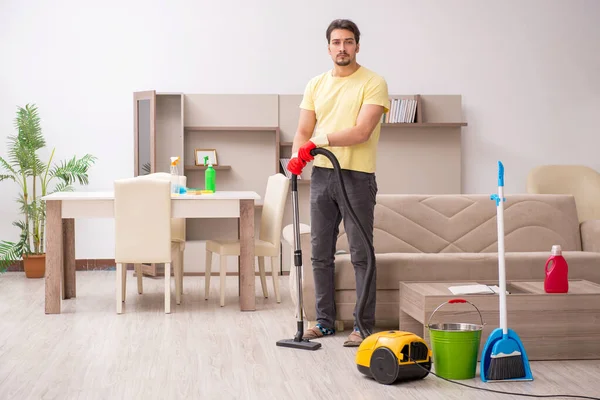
(467, 224)
(395, 267)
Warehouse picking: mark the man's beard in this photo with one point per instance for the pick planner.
(342, 62)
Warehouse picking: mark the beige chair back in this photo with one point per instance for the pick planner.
(177, 224)
(273, 207)
(578, 180)
(157, 175)
(164, 176)
(142, 210)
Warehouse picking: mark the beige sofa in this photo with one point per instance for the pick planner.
(454, 237)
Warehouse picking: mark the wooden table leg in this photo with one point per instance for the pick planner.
(238, 261)
(54, 256)
(68, 226)
(247, 269)
(409, 324)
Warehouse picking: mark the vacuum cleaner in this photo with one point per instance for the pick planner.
(388, 356)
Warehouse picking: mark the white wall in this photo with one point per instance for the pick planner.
(529, 72)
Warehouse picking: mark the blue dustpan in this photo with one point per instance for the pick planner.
(499, 343)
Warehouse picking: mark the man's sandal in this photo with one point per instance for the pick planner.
(317, 331)
(354, 339)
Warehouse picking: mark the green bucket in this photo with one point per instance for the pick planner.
(455, 346)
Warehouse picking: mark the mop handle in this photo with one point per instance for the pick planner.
(502, 262)
(499, 198)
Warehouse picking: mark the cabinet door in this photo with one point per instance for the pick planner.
(144, 132)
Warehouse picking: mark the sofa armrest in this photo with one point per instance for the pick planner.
(590, 235)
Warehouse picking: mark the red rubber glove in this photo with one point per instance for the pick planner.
(304, 151)
(295, 166)
(314, 142)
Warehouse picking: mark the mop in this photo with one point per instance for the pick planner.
(504, 357)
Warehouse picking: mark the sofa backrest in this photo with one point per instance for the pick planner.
(467, 224)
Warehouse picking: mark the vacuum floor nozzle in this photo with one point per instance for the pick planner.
(303, 344)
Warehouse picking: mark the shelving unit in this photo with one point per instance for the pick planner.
(251, 132)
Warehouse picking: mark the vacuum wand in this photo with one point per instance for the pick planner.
(297, 258)
(298, 342)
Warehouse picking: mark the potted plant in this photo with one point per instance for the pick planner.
(34, 178)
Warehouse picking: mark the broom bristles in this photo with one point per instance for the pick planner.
(505, 367)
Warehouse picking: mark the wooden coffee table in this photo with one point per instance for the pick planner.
(551, 326)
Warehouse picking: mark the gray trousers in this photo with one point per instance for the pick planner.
(327, 210)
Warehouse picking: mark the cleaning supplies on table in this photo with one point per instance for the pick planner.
(557, 272)
(175, 186)
(210, 176)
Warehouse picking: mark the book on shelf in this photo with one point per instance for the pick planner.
(401, 111)
(284, 164)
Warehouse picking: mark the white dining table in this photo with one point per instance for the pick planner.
(63, 208)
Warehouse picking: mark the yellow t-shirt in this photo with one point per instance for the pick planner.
(337, 102)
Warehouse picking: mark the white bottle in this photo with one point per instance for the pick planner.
(174, 175)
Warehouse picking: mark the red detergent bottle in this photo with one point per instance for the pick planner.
(557, 272)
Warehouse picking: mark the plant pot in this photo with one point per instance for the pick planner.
(34, 265)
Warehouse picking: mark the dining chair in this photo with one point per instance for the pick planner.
(267, 244)
(178, 238)
(142, 215)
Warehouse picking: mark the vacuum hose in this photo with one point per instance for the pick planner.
(362, 301)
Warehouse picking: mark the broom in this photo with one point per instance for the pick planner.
(504, 357)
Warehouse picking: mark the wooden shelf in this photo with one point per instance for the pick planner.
(202, 167)
(230, 128)
(425, 125)
(407, 125)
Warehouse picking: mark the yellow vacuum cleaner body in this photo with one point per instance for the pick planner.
(392, 356)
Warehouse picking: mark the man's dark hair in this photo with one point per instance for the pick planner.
(343, 24)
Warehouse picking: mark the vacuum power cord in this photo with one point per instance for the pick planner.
(503, 392)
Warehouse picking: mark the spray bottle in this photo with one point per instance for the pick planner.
(210, 176)
(557, 272)
(174, 175)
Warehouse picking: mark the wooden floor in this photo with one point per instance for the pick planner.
(200, 351)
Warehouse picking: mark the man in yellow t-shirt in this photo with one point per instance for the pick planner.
(343, 107)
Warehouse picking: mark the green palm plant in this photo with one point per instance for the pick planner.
(34, 178)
